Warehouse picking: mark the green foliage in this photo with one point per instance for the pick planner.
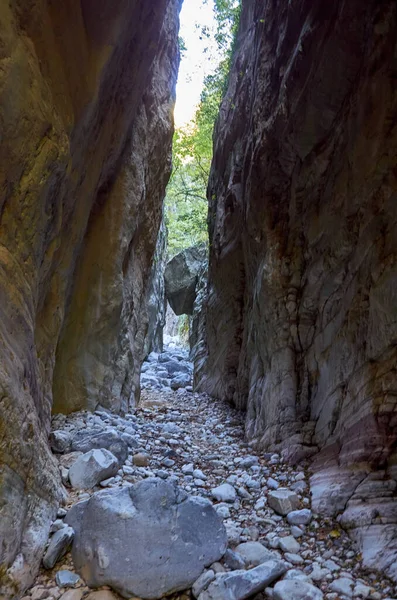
(186, 205)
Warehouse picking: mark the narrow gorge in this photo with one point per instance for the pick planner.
(262, 463)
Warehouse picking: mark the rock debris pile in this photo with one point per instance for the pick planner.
(171, 500)
(169, 370)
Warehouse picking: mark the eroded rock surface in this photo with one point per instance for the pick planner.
(300, 320)
(86, 97)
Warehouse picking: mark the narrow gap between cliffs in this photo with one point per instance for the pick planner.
(208, 30)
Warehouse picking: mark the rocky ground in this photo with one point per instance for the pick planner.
(276, 547)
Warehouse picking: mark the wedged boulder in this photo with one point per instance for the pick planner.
(93, 467)
(84, 441)
(147, 540)
(181, 276)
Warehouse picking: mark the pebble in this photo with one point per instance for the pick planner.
(140, 460)
(198, 443)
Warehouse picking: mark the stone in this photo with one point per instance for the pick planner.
(300, 517)
(140, 460)
(254, 553)
(93, 467)
(180, 381)
(96, 439)
(188, 469)
(176, 537)
(101, 595)
(293, 558)
(58, 546)
(283, 501)
(272, 484)
(202, 582)
(233, 560)
(295, 589)
(343, 586)
(72, 595)
(297, 574)
(181, 276)
(66, 578)
(224, 493)
(60, 441)
(239, 585)
(223, 511)
(289, 544)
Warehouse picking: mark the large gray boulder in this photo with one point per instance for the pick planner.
(181, 276)
(84, 441)
(146, 540)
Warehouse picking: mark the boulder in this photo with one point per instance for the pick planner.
(181, 381)
(254, 553)
(295, 589)
(239, 585)
(300, 517)
(224, 493)
(147, 540)
(181, 276)
(58, 546)
(283, 501)
(85, 440)
(66, 578)
(92, 467)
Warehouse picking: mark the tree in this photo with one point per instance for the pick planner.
(186, 202)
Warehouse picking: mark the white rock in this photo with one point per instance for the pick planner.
(92, 467)
(239, 585)
(203, 582)
(343, 586)
(283, 501)
(300, 517)
(254, 553)
(294, 589)
(224, 493)
(289, 544)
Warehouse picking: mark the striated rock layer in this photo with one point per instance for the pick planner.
(86, 99)
(301, 322)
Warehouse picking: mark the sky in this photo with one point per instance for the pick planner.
(199, 59)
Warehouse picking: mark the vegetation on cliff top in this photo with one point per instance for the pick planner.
(186, 202)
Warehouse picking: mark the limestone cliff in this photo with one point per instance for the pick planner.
(86, 94)
(301, 323)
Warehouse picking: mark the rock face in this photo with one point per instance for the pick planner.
(300, 316)
(181, 276)
(86, 96)
(157, 304)
(174, 537)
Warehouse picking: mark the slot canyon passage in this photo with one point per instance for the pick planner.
(262, 462)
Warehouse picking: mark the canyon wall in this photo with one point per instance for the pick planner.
(86, 97)
(300, 320)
